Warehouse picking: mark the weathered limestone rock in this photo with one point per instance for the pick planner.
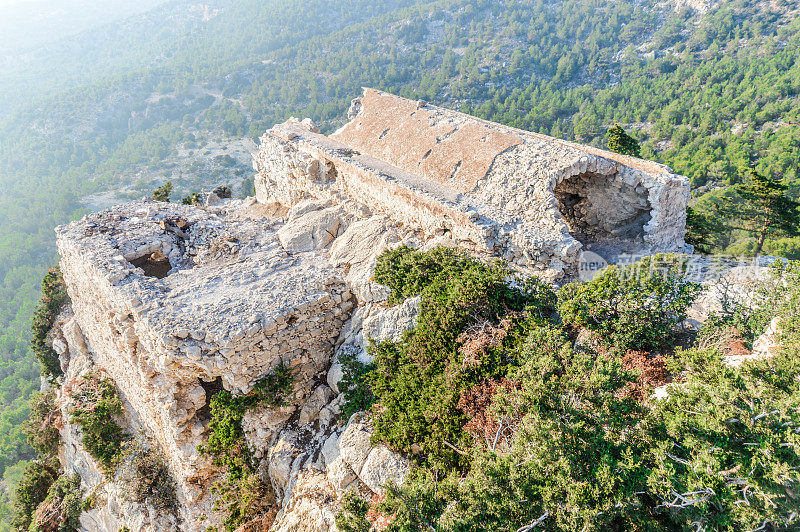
(382, 467)
(390, 323)
(354, 444)
(320, 397)
(534, 200)
(312, 229)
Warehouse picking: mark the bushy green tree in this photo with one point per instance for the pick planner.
(763, 209)
(191, 199)
(54, 296)
(631, 307)
(619, 141)
(31, 490)
(703, 229)
(223, 191)
(163, 192)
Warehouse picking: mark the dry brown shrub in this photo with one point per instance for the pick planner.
(380, 521)
(49, 516)
(479, 338)
(475, 403)
(262, 523)
(653, 373)
(728, 340)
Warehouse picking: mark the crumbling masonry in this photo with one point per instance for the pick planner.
(177, 302)
(534, 200)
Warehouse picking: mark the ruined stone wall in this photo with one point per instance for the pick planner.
(295, 163)
(235, 306)
(534, 200)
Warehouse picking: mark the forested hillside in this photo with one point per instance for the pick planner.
(112, 112)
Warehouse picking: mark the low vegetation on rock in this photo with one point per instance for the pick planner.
(54, 295)
(47, 499)
(142, 472)
(242, 495)
(62, 507)
(95, 409)
(514, 425)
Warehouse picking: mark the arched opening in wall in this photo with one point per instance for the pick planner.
(604, 213)
(211, 388)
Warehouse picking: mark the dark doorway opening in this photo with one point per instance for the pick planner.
(211, 388)
(602, 212)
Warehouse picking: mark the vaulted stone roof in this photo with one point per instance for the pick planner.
(535, 200)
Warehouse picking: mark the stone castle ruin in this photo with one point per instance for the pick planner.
(534, 200)
(177, 302)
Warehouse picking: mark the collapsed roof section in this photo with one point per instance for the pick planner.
(534, 200)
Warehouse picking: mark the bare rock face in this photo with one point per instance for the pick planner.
(312, 228)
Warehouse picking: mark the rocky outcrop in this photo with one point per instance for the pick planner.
(233, 306)
(233, 298)
(175, 302)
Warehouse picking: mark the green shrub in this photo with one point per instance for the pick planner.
(570, 449)
(354, 384)
(163, 192)
(54, 296)
(470, 315)
(566, 452)
(241, 493)
(730, 437)
(223, 191)
(90, 502)
(353, 517)
(632, 307)
(31, 490)
(43, 424)
(96, 405)
(225, 444)
(62, 508)
(144, 477)
(191, 199)
(407, 272)
(721, 453)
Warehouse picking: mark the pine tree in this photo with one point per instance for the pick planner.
(622, 143)
(764, 209)
(703, 230)
(163, 192)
